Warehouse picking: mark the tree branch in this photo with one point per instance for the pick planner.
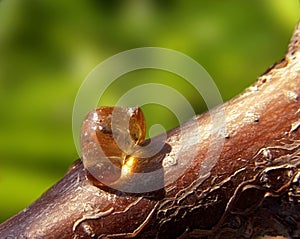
(250, 187)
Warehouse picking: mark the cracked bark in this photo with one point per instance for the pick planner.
(248, 188)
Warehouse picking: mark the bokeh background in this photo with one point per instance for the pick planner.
(48, 47)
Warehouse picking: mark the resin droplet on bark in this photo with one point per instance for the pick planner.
(109, 135)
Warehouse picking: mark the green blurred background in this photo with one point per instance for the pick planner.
(47, 48)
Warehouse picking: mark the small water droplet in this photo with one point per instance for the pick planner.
(224, 133)
(253, 88)
(252, 117)
(169, 161)
(292, 96)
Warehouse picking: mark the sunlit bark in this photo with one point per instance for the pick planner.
(251, 188)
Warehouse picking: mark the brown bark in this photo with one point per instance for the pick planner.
(249, 187)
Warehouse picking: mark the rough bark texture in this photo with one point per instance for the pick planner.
(247, 188)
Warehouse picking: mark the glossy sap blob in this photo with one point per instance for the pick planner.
(109, 135)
